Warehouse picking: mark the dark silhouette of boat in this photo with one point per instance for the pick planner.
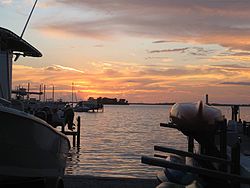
(87, 106)
(30, 146)
(214, 164)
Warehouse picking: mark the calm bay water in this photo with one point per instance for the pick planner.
(113, 142)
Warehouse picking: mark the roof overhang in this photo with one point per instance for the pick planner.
(11, 41)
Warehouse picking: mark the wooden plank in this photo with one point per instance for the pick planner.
(193, 155)
(197, 170)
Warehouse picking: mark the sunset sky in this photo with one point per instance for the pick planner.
(141, 50)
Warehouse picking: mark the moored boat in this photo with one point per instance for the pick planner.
(87, 106)
(81, 107)
(30, 146)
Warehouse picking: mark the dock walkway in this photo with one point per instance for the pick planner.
(80, 181)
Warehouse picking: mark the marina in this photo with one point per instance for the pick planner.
(118, 173)
(122, 149)
(117, 101)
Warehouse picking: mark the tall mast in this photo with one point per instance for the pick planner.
(40, 90)
(25, 26)
(53, 93)
(28, 93)
(72, 93)
(44, 92)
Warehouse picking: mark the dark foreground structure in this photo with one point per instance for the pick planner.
(217, 159)
(107, 182)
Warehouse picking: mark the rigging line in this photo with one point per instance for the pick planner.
(75, 96)
(28, 18)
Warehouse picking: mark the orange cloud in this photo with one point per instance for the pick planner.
(224, 23)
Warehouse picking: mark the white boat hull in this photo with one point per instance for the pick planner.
(30, 147)
(195, 117)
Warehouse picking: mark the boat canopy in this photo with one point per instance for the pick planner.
(11, 41)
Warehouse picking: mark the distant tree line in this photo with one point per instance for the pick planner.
(106, 100)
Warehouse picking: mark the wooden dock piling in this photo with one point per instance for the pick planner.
(244, 125)
(223, 139)
(190, 144)
(78, 130)
(75, 134)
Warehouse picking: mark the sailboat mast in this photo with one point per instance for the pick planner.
(28, 93)
(53, 93)
(40, 90)
(25, 26)
(72, 94)
(44, 93)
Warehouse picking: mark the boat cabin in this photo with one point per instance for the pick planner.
(11, 44)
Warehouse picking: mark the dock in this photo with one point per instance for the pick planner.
(232, 156)
(75, 134)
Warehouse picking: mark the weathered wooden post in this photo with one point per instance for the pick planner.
(74, 140)
(235, 158)
(206, 98)
(247, 130)
(235, 112)
(78, 130)
(223, 143)
(190, 144)
(244, 127)
(223, 139)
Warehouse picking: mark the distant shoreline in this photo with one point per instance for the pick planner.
(152, 103)
(172, 103)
